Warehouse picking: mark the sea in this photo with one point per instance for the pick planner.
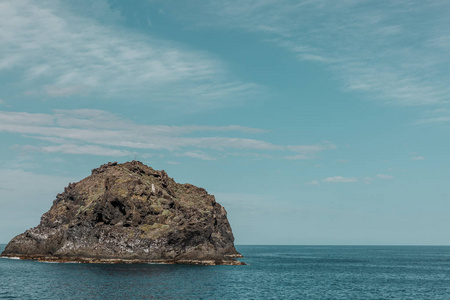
(272, 272)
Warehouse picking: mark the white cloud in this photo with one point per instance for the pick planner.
(440, 115)
(66, 91)
(79, 149)
(95, 132)
(339, 179)
(197, 154)
(312, 148)
(297, 157)
(418, 158)
(383, 176)
(313, 182)
(308, 151)
(57, 53)
(389, 50)
(440, 119)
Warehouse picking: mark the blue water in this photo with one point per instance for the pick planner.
(273, 272)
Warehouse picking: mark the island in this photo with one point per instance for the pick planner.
(130, 213)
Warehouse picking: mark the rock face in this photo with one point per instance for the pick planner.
(130, 213)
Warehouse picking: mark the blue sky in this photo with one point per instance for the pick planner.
(313, 122)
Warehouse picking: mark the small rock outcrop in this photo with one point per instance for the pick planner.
(130, 213)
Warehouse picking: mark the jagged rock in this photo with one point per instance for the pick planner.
(130, 213)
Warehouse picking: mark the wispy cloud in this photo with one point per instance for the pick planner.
(57, 53)
(339, 179)
(389, 50)
(384, 176)
(66, 91)
(297, 157)
(98, 132)
(342, 179)
(418, 158)
(313, 182)
(79, 149)
(440, 115)
(197, 154)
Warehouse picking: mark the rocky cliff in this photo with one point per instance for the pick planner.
(130, 213)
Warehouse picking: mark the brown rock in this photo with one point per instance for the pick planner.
(130, 213)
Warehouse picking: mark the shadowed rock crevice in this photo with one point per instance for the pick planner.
(130, 213)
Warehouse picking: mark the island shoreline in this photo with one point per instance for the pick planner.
(90, 260)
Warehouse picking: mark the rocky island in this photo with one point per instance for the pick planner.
(130, 213)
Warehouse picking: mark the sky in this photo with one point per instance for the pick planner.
(312, 122)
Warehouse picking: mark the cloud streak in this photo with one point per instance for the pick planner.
(384, 176)
(79, 149)
(440, 115)
(99, 132)
(418, 158)
(342, 179)
(386, 50)
(58, 54)
(339, 179)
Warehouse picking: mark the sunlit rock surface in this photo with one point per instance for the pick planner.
(130, 213)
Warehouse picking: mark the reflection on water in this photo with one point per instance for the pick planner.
(272, 272)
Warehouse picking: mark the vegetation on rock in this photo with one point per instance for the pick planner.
(130, 213)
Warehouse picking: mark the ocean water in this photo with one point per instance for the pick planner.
(273, 272)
